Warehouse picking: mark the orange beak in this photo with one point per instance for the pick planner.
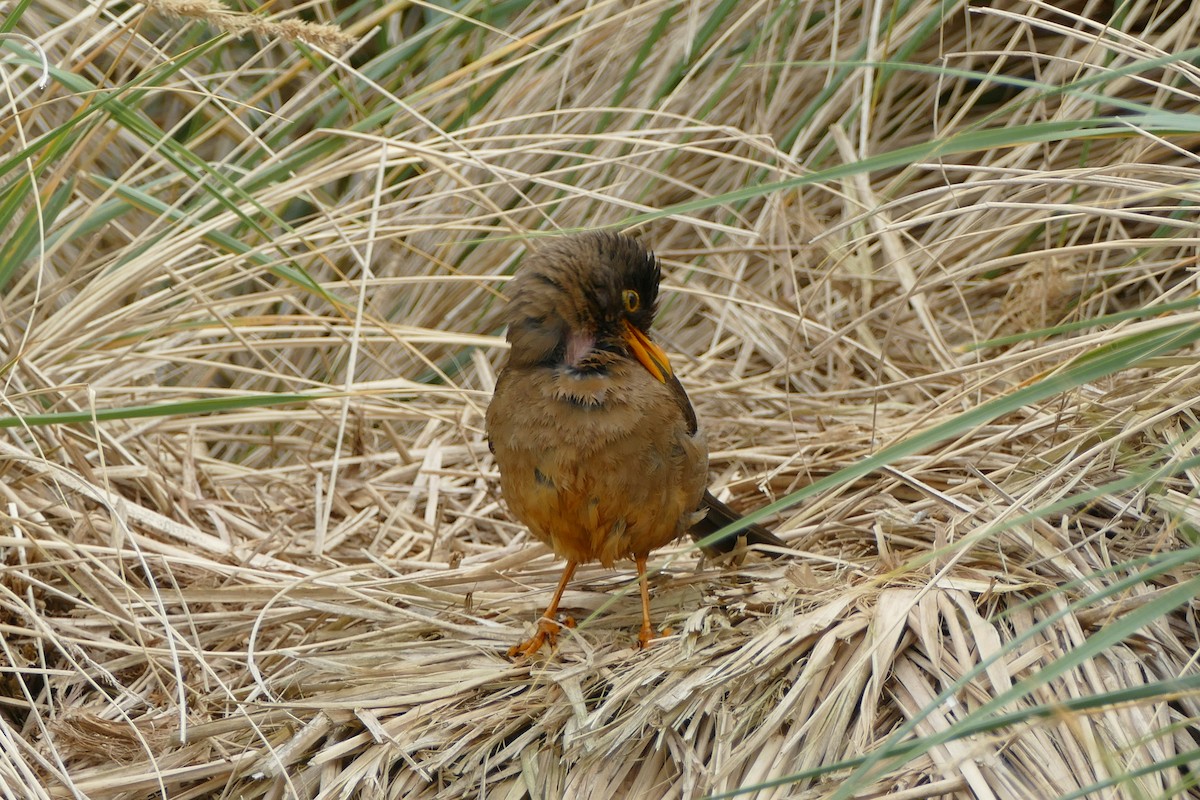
(651, 355)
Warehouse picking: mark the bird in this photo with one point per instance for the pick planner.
(598, 447)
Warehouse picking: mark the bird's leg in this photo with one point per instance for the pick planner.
(547, 626)
(647, 634)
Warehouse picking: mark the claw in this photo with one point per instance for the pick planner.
(547, 632)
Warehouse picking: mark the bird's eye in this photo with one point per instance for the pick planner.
(631, 300)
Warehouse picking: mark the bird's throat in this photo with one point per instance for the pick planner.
(580, 389)
(579, 346)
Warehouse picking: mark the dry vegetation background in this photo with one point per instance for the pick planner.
(930, 278)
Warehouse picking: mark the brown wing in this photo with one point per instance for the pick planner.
(685, 404)
(718, 515)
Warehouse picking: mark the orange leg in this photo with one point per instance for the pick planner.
(647, 634)
(547, 627)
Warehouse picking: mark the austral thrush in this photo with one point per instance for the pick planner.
(597, 443)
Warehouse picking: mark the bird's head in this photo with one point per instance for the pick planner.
(583, 302)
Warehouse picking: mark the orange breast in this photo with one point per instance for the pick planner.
(597, 482)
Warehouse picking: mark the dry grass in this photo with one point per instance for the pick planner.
(250, 538)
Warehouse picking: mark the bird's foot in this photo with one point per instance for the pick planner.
(647, 635)
(547, 631)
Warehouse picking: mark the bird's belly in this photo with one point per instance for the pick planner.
(621, 501)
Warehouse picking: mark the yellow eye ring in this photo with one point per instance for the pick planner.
(631, 300)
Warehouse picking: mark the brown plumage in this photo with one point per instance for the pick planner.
(598, 446)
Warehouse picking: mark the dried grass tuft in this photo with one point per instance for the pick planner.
(250, 538)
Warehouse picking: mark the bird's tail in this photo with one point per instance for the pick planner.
(717, 516)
